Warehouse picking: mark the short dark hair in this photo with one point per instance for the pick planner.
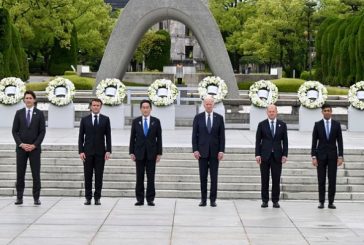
(31, 93)
(96, 100)
(324, 106)
(145, 101)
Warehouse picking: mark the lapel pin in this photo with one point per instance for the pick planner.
(140, 122)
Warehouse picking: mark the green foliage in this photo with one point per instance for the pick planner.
(154, 48)
(81, 83)
(62, 58)
(290, 85)
(340, 50)
(70, 73)
(305, 75)
(13, 60)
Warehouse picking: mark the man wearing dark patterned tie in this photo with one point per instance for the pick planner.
(145, 150)
(271, 151)
(327, 153)
(94, 147)
(28, 132)
(208, 144)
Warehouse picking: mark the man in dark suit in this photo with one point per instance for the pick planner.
(208, 144)
(271, 151)
(327, 153)
(28, 132)
(94, 147)
(145, 150)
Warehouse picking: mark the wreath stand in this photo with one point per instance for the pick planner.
(256, 115)
(166, 115)
(355, 119)
(61, 116)
(308, 117)
(9, 112)
(116, 115)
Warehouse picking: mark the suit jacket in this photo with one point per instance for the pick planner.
(146, 146)
(208, 143)
(323, 148)
(265, 143)
(94, 140)
(34, 134)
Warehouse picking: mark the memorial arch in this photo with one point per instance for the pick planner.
(139, 15)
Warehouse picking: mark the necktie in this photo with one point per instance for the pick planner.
(96, 121)
(28, 118)
(327, 129)
(145, 126)
(272, 128)
(209, 123)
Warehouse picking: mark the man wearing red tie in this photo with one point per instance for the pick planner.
(208, 144)
(145, 150)
(28, 133)
(327, 153)
(271, 151)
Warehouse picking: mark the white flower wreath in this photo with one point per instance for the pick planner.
(221, 92)
(171, 96)
(304, 94)
(11, 90)
(353, 95)
(259, 99)
(67, 88)
(111, 91)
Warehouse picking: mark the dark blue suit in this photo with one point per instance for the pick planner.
(327, 151)
(271, 149)
(209, 145)
(94, 141)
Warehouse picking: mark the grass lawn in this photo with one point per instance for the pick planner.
(291, 85)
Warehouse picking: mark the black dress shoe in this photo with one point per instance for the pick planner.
(264, 205)
(37, 202)
(321, 206)
(276, 205)
(87, 202)
(18, 201)
(202, 204)
(151, 203)
(139, 203)
(331, 206)
(97, 202)
(213, 204)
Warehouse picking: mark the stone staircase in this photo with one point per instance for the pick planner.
(177, 174)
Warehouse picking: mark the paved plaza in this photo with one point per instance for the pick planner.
(178, 221)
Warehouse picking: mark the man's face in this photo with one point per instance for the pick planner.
(272, 112)
(95, 107)
(29, 101)
(327, 113)
(145, 109)
(209, 105)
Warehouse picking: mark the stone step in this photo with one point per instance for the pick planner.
(180, 170)
(178, 162)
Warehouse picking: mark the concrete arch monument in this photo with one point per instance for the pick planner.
(139, 15)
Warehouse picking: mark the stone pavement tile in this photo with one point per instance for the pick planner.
(261, 235)
(351, 214)
(5, 202)
(345, 236)
(10, 231)
(53, 241)
(209, 235)
(85, 231)
(126, 214)
(254, 216)
(5, 241)
(71, 211)
(188, 213)
(307, 215)
(149, 234)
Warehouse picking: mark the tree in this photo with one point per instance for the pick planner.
(13, 60)
(41, 22)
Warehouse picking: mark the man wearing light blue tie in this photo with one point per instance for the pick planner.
(145, 150)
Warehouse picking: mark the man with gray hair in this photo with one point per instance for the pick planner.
(208, 143)
(271, 150)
